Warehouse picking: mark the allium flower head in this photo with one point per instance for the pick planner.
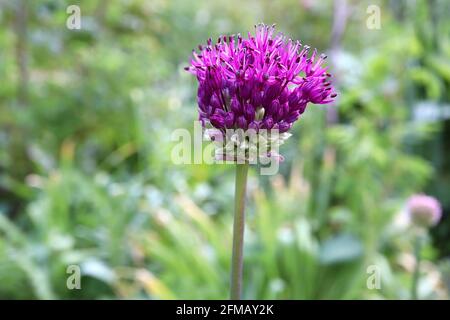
(260, 82)
(263, 81)
(424, 211)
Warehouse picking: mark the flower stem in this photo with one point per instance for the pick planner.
(416, 274)
(238, 231)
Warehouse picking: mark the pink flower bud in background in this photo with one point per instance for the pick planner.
(424, 211)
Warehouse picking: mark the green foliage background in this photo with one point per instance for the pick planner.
(86, 176)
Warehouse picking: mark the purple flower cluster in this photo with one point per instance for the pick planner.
(424, 210)
(262, 82)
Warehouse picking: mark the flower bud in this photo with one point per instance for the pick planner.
(424, 211)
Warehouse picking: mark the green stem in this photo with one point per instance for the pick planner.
(416, 274)
(238, 231)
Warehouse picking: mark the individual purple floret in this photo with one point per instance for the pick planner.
(261, 82)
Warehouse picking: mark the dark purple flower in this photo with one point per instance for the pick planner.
(263, 81)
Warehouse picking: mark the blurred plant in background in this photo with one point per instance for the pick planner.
(86, 177)
(423, 212)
